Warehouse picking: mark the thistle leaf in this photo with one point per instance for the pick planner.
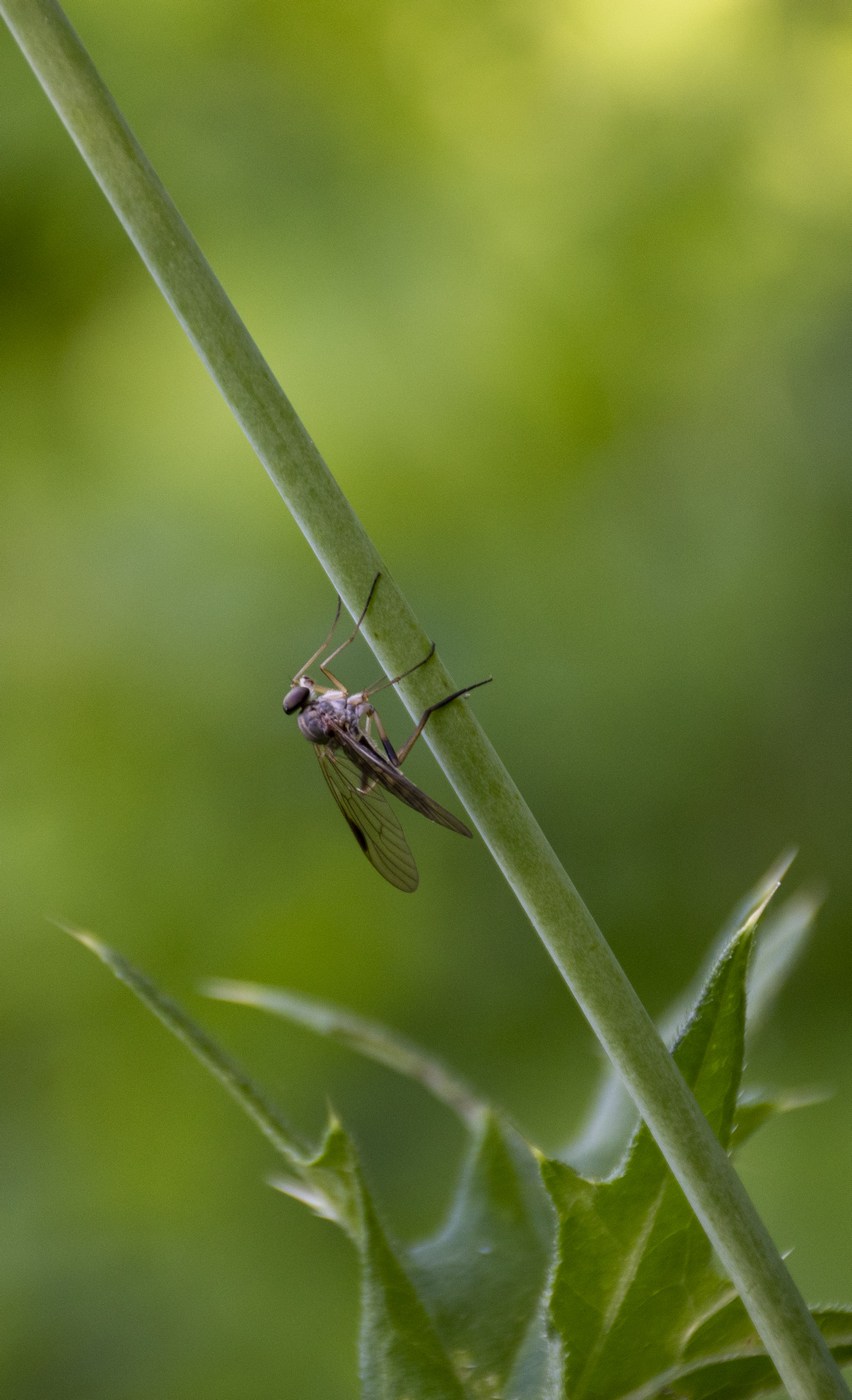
(483, 1274)
(368, 1038)
(634, 1268)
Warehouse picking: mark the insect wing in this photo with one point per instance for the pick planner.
(393, 780)
(369, 817)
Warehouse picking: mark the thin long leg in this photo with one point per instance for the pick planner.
(374, 719)
(319, 651)
(352, 635)
(384, 681)
(439, 705)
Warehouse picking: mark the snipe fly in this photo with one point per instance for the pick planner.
(340, 727)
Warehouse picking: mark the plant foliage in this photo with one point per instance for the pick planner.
(543, 1283)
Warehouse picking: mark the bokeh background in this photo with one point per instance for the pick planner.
(564, 293)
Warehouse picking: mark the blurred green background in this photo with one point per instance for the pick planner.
(564, 294)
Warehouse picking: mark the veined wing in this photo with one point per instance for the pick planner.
(370, 818)
(393, 780)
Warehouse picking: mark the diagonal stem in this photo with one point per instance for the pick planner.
(334, 532)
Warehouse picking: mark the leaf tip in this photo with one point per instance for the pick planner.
(316, 1200)
(81, 935)
(219, 989)
(778, 870)
(770, 884)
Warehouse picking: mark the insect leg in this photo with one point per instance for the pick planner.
(439, 705)
(311, 659)
(353, 634)
(373, 718)
(384, 681)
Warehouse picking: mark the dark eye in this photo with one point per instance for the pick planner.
(296, 698)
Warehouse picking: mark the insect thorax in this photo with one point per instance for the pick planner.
(328, 713)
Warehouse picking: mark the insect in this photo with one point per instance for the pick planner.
(358, 772)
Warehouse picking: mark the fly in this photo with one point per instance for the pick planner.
(358, 772)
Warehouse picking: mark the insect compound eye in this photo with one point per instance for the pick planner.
(296, 698)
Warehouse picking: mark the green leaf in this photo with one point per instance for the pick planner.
(636, 1309)
(239, 1085)
(401, 1354)
(783, 936)
(483, 1274)
(725, 1359)
(781, 943)
(326, 1187)
(634, 1267)
(729, 1329)
(368, 1038)
(537, 1374)
(753, 1110)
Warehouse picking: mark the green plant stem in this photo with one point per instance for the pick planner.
(516, 841)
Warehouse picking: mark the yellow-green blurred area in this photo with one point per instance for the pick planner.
(564, 294)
